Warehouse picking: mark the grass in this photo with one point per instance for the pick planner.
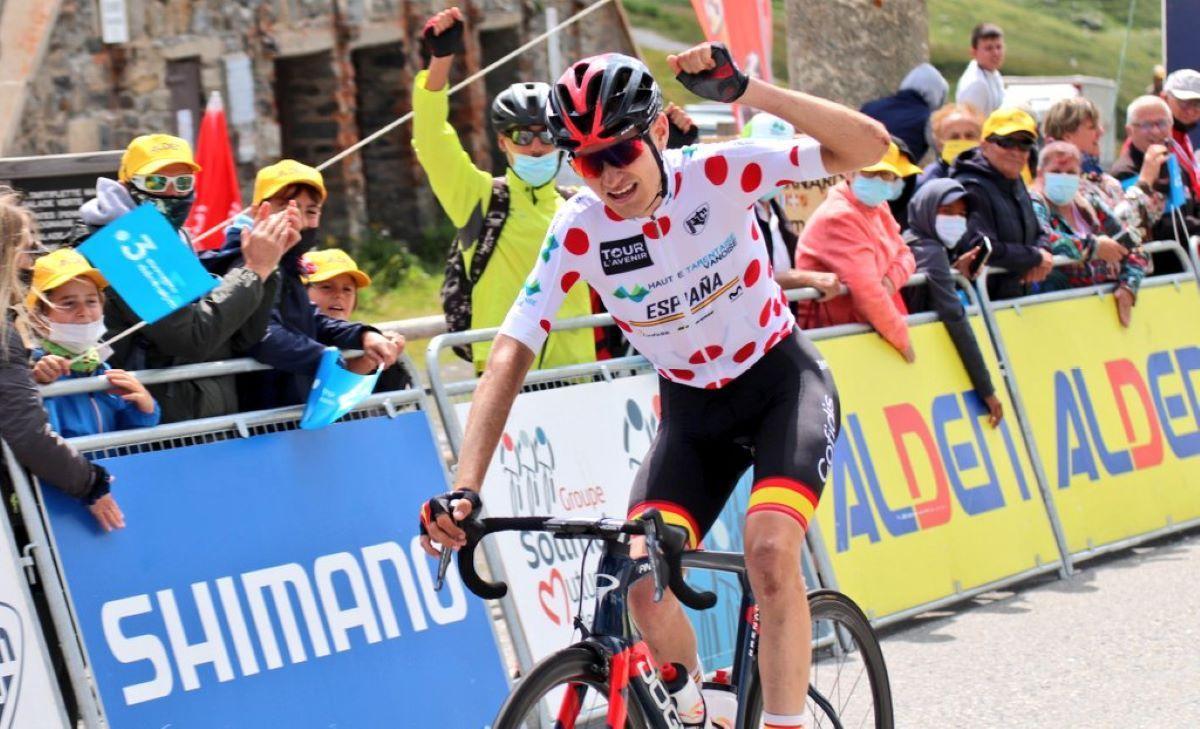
(1044, 37)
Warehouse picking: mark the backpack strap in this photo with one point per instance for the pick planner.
(487, 230)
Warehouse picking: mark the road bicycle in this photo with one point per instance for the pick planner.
(608, 678)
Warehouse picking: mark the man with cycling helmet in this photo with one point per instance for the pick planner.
(496, 268)
(670, 242)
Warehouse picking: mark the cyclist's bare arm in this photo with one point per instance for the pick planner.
(498, 388)
(849, 140)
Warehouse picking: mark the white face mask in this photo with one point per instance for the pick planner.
(950, 229)
(78, 338)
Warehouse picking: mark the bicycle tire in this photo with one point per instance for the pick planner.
(834, 606)
(575, 664)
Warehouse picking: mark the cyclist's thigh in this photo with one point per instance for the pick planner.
(686, 476)
(793, 446)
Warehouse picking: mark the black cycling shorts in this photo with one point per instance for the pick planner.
(781, 416)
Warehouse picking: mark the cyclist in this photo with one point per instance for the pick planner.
(671, 243)
(501, 222)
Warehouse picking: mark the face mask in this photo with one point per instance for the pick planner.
(950, 229)
(771, 195)
(1060, 187)
(175, 209)
(897, 190)
(871, 191)
(952, 148)
(536, 171)
(77, 338)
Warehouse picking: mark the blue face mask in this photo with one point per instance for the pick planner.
(872, 191)
(1060, 187)
(536, 171)
(771, 195)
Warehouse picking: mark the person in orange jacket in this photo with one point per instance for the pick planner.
(854, 235)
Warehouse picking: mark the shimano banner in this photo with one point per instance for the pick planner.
(277, 581)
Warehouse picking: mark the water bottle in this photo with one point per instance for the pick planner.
(689, 702)
(720, 700)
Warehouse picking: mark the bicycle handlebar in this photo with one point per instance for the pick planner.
(670, 543)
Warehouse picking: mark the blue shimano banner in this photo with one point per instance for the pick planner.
(277, 581)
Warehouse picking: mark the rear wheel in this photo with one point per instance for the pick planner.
(579, 670)
(848, 684)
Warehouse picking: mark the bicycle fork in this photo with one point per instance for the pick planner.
(631, 669)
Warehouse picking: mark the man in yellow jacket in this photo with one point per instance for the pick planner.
(466, 192)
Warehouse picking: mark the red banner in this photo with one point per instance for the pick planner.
(218, 196)
(745, 27)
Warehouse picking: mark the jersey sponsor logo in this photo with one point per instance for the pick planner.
(548, 247)
(712, 258)
(625, 255)
(696, 222)
(697, 298)
(638, 293)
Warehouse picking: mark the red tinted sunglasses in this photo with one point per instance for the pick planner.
(621, 154)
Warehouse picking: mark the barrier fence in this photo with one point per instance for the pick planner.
(198, 610)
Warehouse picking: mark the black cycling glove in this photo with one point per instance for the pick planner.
(725, 82)
(449, 43)
(99, 486)
(439, 505)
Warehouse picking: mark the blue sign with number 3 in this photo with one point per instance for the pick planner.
(148, 264)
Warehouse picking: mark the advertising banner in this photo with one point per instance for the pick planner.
(29, 697)
(277, 580)
(923, 497)
(1114, 411)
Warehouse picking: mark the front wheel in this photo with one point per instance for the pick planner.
(848, 683)
(572, 687)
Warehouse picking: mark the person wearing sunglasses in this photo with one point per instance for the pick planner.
(1000, 209)
(669, 240)
(159, 169)
(501, 221)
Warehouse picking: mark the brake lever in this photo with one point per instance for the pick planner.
(654, 554)
(443, 565)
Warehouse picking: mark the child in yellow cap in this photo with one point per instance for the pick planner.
(67, 300)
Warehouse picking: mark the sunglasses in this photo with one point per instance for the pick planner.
(1147, 126)
(1022, 143)
(525, 137)
(622, 154)
(159, 183)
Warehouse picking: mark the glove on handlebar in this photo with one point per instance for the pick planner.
(439, 505)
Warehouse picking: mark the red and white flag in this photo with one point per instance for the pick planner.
(218, 196)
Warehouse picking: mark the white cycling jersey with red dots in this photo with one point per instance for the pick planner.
(692, 286)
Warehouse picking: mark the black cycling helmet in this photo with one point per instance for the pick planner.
(600, 99)
(520, 106)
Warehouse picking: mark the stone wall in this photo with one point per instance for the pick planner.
(319, 81)
(850, 51)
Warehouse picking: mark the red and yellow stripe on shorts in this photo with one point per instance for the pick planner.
(673, 514)
(786, 496)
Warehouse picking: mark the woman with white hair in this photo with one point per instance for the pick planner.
(1084, 230)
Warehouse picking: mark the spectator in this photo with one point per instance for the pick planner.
(1143, 162)
(981, 84)
(956, 128)
(906, 113)
(159, 169)
(998, 203)
(1076, 120)
(1086, 231)
(777, 232)
(333, 281)
(68, 296)
(1181, 91)
(297, 333)
(852, 234)
(937, 222)
(493, 276)
(24, 426)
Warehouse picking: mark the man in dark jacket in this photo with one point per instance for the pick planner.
(906, 113)
(937, 222)
(297, 334)
(999, 206)
(159, 169)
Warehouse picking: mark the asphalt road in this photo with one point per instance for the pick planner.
(1117, 645)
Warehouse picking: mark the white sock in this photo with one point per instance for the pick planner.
(784, 721)
(697, 673)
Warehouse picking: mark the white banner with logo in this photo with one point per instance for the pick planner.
(29, 696)
(570, 452)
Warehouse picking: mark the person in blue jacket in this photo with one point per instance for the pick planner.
(906, 113)
(297, 333)
(67, 297)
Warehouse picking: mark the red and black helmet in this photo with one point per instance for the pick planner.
(601, 99)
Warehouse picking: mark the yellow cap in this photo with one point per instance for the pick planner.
(55, 269)
(331, 263)
(895, 162)
(150, 153)
(1011, 120)
(274, 178)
